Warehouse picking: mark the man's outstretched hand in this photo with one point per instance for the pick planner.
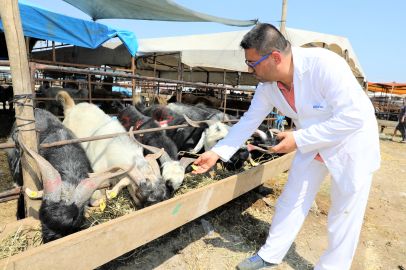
(286, 145)
(206, 161)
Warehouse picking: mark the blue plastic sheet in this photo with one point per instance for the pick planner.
(41, 23)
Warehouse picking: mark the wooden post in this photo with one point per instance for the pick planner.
(89, 83)
(224, 84)
(27, 45)
(133, 69)
(13, 30)
(32, 77)
(178, 99)
(283, 20)
(53, 51)
(390, 101)
(182, 66)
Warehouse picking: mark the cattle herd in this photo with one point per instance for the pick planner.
(147, 164)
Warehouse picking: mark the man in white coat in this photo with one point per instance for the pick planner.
(336, 132)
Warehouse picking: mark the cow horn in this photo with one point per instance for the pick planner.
(50, 177)
(251, 147)
(135, 173)
(163, 157)
(274, 130)
(186, 161)
(86, 188)
(198, 123)
(154, 164)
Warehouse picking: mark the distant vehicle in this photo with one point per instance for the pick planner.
(387, 104)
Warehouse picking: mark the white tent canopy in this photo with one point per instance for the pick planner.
(155, 10)
(207, 56)
(222, 51)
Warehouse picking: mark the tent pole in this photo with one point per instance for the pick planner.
(133, 70)
(13, 30)
(283, 20)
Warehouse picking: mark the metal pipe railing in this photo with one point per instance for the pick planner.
(108, 136)
(96, 72)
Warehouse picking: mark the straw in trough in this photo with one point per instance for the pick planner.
(19, 241)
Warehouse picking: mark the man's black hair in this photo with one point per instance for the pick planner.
(265, 38)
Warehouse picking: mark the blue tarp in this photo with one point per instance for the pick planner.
(41, 23)
(126, 92)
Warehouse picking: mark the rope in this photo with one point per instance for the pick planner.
(279, 119)
(21, 100)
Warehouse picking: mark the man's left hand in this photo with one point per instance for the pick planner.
(286, 145)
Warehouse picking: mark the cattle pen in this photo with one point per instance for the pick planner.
(118, 236)
(173, 213)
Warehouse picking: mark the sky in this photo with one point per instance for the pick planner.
(375, 28)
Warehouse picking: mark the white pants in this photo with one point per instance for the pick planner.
(343, 224)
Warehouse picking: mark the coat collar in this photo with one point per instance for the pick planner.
(299, 63)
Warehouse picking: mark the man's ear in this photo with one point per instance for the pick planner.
(277, 58)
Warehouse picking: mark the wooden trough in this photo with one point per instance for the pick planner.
(97, 245)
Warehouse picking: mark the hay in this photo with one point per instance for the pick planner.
(19, 241)
(22, 239)
(195, 181)
(117, 207)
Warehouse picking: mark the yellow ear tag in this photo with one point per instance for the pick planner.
(248, 142)
(252, 162)
(33, 194)
(113, 195)
(102, 205)
(195, 167)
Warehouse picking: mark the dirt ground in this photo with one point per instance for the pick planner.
(241, 226)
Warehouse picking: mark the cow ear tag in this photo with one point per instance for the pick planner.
(102, 205)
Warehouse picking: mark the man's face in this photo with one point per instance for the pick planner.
(264, 71)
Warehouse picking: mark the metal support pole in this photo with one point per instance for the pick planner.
(17, 52)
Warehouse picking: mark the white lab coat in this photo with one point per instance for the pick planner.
(343, 129)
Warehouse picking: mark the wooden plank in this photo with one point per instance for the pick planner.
(13, 226)
(13, 30)
(95, 246)
(387, 123)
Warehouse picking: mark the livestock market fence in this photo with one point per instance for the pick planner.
(141, 80)
(145, 86)
(175, 212)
